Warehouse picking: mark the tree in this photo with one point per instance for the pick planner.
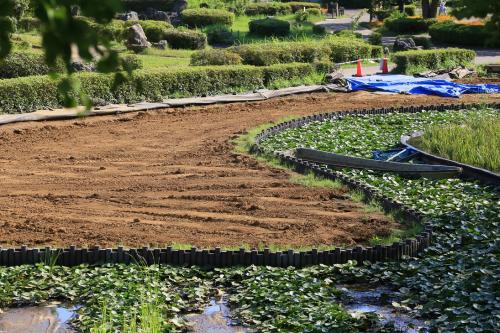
(489, 9)
(63, 35)
(430, 8)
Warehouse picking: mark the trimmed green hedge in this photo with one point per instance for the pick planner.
(215, 57)
(202, 17)
(269, 27)
(459, 34)
(267, 8)
(347, 49)
(411, 62)
(407, 25)
(39, 92)
(278, 8)
(21, 64)
(297, 5)
(334, 49)
(186, 39)
(264, 54)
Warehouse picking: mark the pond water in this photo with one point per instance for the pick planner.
(216, 318)
(49, 318)
(365, 299)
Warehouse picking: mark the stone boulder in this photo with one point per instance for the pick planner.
(162, 45)
(136, 39)
(128, 16)
(179, 6)
(80, 66)
(156, 15)
(404, 44)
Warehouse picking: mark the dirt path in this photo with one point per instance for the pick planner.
(171, 177)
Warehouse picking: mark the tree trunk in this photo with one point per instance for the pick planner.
(425, 8)
(433, 10)
(401, 6)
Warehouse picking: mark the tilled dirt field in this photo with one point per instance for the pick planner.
(171, 176)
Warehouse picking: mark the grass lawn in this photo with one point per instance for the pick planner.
(155, 58)
(476, 141)
(297, 32)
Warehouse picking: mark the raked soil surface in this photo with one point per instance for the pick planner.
(171, 176)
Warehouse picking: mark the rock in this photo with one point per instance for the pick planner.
(136, 39)
(155, 15)
(128, 16)
(404, 44)
(461, 72)
(75, 11)
(162, 45)
(179, 6)
(80, 66)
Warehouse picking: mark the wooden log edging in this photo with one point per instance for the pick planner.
(73, 256)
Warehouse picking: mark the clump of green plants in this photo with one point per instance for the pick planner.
(454, 282)
(269, 27)
(414, 61)
(203, 17)
(476, 141)
(215, 57)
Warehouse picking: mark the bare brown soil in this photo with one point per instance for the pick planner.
(171, 176)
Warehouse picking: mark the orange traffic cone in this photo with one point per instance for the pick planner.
(385, 66)
(359, 71)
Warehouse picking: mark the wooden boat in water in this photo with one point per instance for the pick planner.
(404, 169)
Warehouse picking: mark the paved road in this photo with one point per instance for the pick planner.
(484, 56)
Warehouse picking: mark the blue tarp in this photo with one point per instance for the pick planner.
(412, 85)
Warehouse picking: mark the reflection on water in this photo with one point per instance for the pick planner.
(364, 299)
(51, 318)
(214, 319)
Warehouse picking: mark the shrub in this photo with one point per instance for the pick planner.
(31, 93)
(347, 49)
(313, 11)
(215, 57)
(115, 30)
(202, 17)
(301, 16)
(269, 27)
(264, 54)
(28, 24)
(20, 6)
(24, 64)
(319, 29)
(267, 8)
(348, 34)
(131, 63)
(411, 10)
(411, 62)
(154, 30)
(408, 24)
(296, 6)
(186, 39)
(375, 38)
(459, 34)
(219, 35)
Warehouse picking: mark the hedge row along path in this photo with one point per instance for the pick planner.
(170, 176)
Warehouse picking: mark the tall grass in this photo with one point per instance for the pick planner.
(475, 142)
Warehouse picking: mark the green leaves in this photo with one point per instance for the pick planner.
(455, 282)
